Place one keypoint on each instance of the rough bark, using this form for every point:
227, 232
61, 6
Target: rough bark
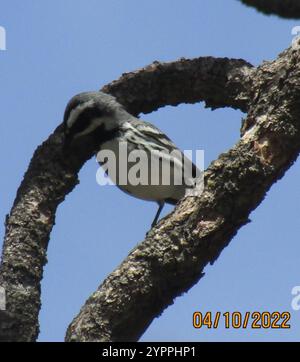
51, 176
284, 8
172, 257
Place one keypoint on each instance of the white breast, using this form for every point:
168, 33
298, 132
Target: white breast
142, 180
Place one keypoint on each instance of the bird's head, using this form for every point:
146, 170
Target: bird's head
92, 116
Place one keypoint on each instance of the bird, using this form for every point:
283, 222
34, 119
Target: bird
99, 118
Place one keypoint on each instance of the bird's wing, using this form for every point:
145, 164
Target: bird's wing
154, 135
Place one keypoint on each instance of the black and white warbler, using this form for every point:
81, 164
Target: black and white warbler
100, 116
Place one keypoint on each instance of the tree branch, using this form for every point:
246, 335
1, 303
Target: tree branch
173, 255
50, 177
220, 82
284, 8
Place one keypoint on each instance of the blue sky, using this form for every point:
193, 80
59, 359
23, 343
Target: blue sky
56, 49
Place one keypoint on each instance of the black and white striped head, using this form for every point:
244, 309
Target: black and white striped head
92, 113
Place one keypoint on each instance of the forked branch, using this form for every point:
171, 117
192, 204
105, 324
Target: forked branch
50, 177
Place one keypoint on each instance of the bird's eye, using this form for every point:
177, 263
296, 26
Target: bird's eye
80, 124
84, 120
